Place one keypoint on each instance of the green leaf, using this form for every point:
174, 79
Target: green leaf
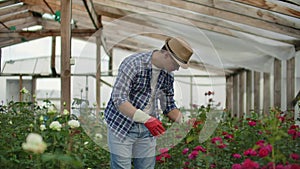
48, 157
190, 139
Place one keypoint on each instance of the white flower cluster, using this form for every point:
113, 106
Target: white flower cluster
73, 123
55, 125
34, 143
52, 110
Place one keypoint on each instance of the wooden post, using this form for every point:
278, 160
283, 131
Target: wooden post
98, 73
290, 77
20, 88
0, 60
248, 92
33, 88
277, 83
241, 93
110, 63
53, 55
235, 86
65, 28
229, 93
191, 93
266, 102
257, 92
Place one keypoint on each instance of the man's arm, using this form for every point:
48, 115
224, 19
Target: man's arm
127, 109
175, 115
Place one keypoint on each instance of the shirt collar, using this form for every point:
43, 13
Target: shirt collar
147, 60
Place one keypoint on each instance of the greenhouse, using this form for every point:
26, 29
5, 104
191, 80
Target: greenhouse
236, 105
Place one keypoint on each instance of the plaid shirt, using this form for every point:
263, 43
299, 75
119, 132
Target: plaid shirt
133, 84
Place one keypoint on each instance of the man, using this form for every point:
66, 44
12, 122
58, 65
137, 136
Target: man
143, 80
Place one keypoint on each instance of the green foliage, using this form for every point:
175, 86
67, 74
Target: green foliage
213, 140
68, 148
230, 142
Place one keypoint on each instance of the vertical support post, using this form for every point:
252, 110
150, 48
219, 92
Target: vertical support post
53, 54
65, 29
235, 109
248, 92
241, 94
277, 83
257, 92
267, 103
191, 93
98, 73
0, 61
229, 93
110, 63
33, 88
297, 86
20, 87
290, 75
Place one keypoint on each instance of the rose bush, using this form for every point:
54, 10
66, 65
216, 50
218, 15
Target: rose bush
38, 136
253, 142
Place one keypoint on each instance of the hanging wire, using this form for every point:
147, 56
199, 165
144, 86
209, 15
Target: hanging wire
49, 7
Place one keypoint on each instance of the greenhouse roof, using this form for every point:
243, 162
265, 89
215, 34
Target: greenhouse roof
225, 34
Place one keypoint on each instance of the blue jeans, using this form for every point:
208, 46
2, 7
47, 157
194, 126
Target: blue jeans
138, 146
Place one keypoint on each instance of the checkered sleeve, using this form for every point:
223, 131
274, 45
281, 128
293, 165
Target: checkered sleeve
126, 73
167, 101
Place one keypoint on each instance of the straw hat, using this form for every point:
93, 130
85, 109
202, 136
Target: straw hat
180, 49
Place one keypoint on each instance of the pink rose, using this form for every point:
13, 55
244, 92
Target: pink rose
252, 123
185, 151
236, 166
248, 164
295, 156
263, 152
193, 155
200, 148
236, 155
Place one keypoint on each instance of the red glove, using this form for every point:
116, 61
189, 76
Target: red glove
155, 126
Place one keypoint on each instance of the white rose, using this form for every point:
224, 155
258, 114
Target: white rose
52, 110
55, 125
34, 143
73, 123
66, 112
42, 127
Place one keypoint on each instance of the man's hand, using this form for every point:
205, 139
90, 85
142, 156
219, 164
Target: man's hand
153, 124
